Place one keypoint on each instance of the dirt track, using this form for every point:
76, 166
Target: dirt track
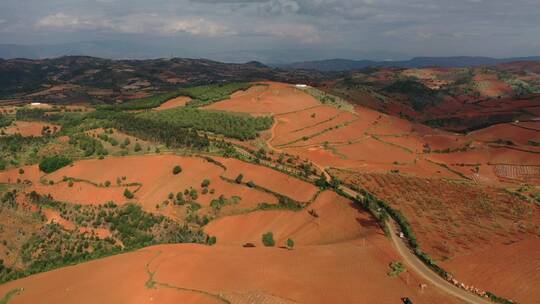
420, 268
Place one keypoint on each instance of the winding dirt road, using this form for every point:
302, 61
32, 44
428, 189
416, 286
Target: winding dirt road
427, 274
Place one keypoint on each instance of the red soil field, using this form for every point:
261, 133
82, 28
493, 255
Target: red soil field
11, 176
54, 217
270, 179
339, 221
516, 134
306, 118
374, 151
286, 134
350, 132
528, 174
351, 272
28, 129
455, 220
388, 125
489, 85
410, 142
516, 273
173, 103
155, 175
271, 98
83, 193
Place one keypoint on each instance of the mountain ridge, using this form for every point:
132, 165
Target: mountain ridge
338, 64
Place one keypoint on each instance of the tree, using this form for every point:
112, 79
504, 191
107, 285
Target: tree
177, 169
180, 198
205, 183
127, 141
396, 268
239, 178
321, 182
290, 244
268, 239
334, 182
193, 194
137, 147
128, 194
53, 163
212, 240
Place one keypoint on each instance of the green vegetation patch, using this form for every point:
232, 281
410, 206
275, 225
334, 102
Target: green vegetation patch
209, 94
201, 96
52, 246
396, 268
5, 121
329, 99
144, 103
53, 163
268, 239
420, 95
238, 126
12, 293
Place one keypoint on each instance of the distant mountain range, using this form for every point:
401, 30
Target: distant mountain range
336, 65
279, 58
153, 48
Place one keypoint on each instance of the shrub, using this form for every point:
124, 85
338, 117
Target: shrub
396, 269
128, 194
53, 163
205, 183
70, 184
21, 171
290, 244
193, 194
180, 198
137, 147
212, 240
250, 184
107, 183
239, 178
268, 239
176, 170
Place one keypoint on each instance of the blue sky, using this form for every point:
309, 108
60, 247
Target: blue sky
331, 28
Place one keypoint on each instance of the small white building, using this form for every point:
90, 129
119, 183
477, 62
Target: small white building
301, 86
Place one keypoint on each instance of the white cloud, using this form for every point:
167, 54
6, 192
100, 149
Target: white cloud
304, 33
197, 27
137, 24
59, 20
